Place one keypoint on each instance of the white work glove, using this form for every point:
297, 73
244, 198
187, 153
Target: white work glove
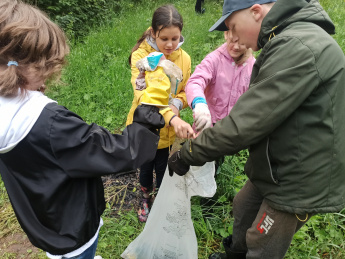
202, 117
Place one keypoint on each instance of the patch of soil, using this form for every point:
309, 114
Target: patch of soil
122, 191
17, 245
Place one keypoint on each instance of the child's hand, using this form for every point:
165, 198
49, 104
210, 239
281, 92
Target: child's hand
182, 128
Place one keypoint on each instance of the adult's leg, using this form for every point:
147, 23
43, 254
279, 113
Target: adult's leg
259, 231
272, 232
246, 205
198, 7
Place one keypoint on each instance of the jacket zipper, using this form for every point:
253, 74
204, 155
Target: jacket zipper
269, 162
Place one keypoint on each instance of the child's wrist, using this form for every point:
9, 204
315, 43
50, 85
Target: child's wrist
198, 100
172, 119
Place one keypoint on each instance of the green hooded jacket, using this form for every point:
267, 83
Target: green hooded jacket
292, 119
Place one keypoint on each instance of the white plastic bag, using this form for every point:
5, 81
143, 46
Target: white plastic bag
169, 231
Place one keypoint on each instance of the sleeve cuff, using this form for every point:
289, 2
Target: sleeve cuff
198, 100
177, 103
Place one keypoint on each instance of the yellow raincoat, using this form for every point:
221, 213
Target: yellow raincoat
183, 61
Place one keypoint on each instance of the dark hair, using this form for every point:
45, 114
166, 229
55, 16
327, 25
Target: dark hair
164, 16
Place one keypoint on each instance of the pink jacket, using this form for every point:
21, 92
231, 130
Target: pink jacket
220, 81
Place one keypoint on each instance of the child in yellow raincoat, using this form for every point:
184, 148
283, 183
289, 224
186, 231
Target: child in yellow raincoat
154, 86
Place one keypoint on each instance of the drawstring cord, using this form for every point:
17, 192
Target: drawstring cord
272, 33
304, 220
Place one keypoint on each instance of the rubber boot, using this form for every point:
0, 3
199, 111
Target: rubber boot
228, 253
145, 205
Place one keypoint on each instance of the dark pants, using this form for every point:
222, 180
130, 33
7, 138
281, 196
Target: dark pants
159, 164
260, 230
198, 5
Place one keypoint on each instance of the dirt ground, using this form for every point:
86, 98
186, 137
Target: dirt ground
122, 191
17, 245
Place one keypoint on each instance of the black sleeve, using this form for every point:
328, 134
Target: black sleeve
84, 150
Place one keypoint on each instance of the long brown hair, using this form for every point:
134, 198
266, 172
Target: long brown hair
30, 38
164, 16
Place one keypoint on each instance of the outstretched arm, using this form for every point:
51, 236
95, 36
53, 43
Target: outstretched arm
84, 150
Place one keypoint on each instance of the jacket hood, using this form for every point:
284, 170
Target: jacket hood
223, 50
153, 43
286, 12
18, 115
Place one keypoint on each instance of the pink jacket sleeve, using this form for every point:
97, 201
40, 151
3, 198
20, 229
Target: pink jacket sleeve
204, 74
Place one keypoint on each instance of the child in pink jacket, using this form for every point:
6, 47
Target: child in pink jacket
218, 81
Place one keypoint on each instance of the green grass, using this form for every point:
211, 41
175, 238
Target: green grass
97, 80
97, 87
8, 222
336, 11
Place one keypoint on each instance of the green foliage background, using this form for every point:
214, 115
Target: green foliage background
76, 17
96, 85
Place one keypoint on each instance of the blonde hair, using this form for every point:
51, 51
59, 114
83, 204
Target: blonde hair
30, 38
